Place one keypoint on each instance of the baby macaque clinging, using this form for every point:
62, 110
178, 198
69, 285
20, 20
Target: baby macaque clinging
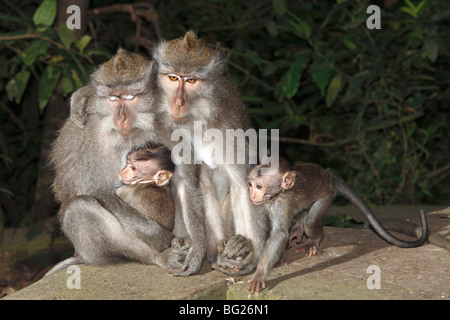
307, 190
146, 176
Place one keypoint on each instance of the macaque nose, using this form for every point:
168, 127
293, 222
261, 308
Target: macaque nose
122, 121
179, 105
179, 101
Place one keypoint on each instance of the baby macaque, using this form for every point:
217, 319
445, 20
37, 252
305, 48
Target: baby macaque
146, 176
306, 190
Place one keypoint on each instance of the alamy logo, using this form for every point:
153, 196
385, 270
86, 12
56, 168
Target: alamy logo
74, 21
74, 281
374, 21
236, 147
374, 281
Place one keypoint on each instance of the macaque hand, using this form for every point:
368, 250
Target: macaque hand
172, 259
257, 282
187, 260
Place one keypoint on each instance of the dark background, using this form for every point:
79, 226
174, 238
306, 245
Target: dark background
373, 105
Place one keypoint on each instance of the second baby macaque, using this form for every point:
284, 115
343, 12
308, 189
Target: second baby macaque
146, 176
307, 190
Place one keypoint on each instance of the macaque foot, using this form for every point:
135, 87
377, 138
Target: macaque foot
297, 232
310, 248
189, 258
283, 260
234, 256
175, 256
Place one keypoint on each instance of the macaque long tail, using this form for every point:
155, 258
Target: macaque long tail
351, 195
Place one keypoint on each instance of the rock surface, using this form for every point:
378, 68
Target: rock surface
338, 272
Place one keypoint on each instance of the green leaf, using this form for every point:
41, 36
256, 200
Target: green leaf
333, 90
272, 28
5, 18
431, 48
426, 191
412, 9
8, 193
291, 80
83, 42
76, 79
279, 7
67, 36
47, 85
67, 83
350, 44
301, 28
432, 130
408, 11
420, 5
357, 80
252, 55
16, 86
321, 73
35, 49
417, 102
45, 14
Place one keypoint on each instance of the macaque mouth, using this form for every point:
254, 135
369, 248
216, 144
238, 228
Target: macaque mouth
177, 117
126, 132
257, 203
133, 182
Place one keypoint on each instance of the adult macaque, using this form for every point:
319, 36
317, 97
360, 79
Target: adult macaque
146, 176
307, 189
87, 158
193, 85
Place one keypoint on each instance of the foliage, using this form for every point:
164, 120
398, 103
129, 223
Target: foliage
35, 57
371, 104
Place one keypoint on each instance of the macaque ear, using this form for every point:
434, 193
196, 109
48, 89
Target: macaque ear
78, 105
288, 180
162, 177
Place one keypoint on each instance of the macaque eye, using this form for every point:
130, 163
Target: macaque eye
113, 98
128, 97
133, 168
173, 77
191, 80
249, 184
259, 186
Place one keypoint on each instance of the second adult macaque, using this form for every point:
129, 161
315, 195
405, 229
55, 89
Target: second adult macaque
307, 190
146, 176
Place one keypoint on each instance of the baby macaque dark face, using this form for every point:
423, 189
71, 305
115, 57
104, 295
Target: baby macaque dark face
257, 191
265, 187
143, 167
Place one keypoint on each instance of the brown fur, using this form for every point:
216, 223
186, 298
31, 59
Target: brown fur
150, 199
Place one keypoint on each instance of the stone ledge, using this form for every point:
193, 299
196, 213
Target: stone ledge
338, 272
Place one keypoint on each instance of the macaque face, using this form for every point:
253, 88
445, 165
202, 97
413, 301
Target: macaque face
123, 96
123, 105
179, 89
144, 171
264, 188
257, 190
